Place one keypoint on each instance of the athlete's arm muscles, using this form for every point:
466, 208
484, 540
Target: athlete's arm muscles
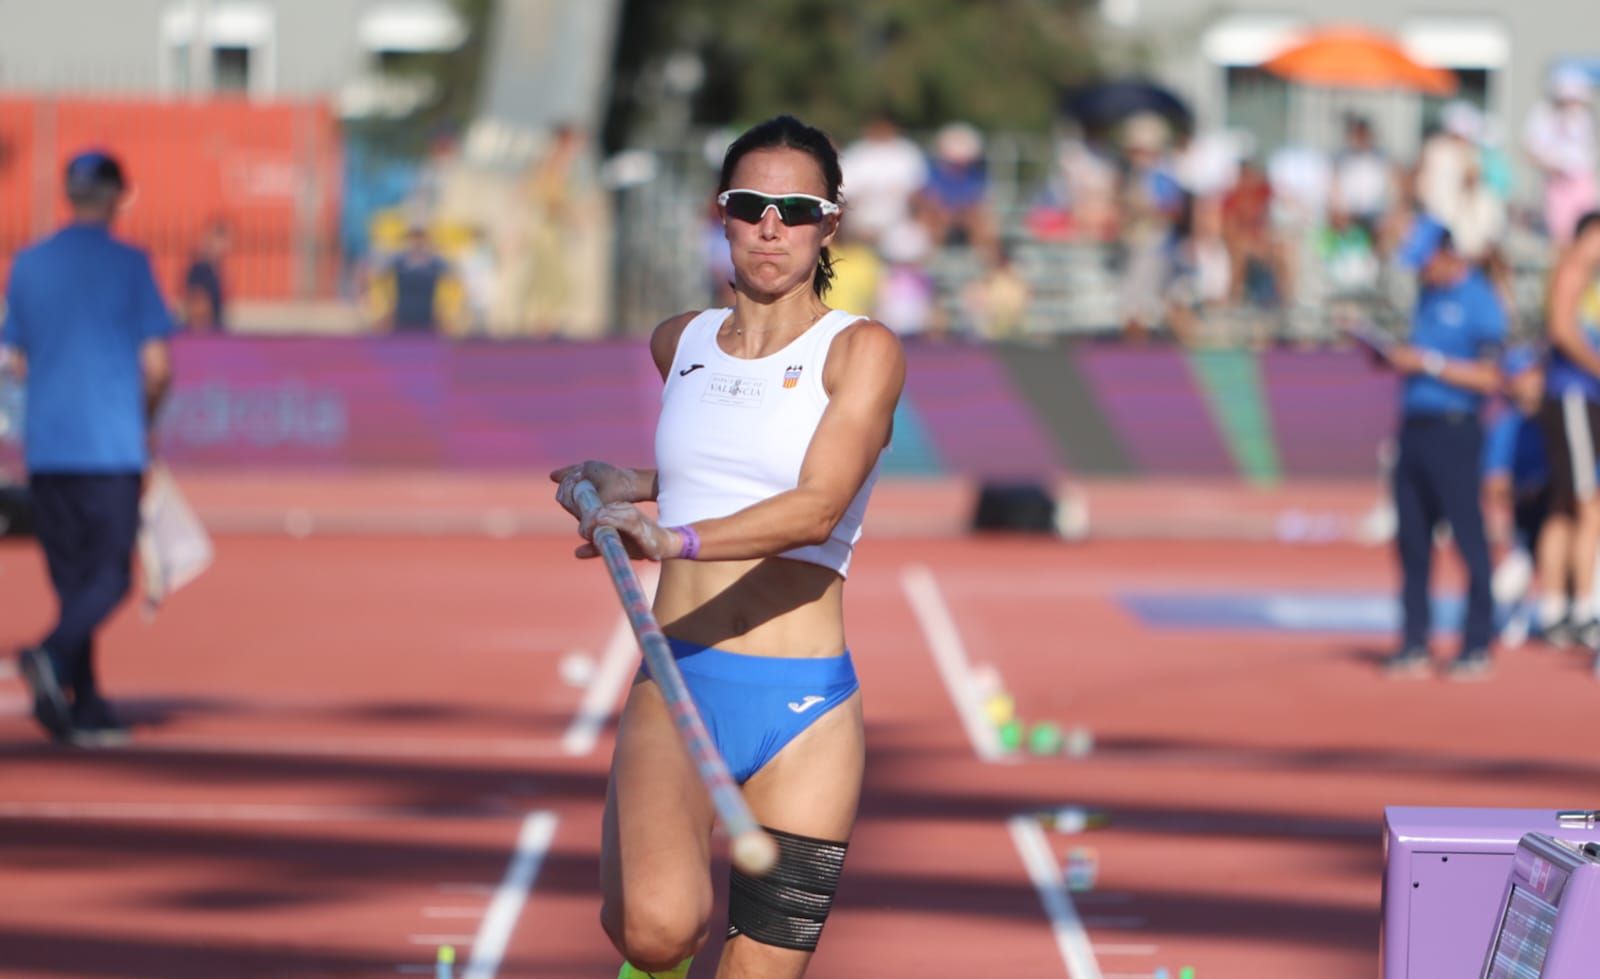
864, 374
1566, 335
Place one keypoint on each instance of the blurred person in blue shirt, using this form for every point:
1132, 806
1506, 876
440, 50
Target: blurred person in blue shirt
1516, 468
1516, 486
956, 195
418, 273
204, 296
1448, 368
87, 322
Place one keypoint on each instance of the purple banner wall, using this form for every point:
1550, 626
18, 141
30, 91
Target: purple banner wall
974, 416
408, 402
1330, 409
423, 403
1151, 402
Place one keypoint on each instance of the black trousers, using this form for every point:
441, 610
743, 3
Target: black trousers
1437, 477
87, 525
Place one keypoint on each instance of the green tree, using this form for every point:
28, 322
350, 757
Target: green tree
997, 63
456, 75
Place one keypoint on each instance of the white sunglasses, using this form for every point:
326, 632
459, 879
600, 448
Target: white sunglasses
793, 209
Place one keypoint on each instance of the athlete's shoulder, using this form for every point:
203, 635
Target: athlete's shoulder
664, 338
867, 352
867, 337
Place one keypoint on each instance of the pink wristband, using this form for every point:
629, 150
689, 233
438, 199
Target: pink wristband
691, 542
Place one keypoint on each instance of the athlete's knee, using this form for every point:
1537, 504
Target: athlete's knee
788, 907
654, 934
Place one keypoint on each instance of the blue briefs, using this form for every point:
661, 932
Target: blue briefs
754, 705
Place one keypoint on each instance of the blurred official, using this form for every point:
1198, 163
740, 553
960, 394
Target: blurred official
87, 321
1448, 368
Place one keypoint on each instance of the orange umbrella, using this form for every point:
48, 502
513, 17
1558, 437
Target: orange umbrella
1353, 57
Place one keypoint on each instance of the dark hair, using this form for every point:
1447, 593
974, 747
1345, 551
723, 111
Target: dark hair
1589, 220
94, 177
787, 132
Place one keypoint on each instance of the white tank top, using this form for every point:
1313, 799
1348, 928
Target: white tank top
733, 431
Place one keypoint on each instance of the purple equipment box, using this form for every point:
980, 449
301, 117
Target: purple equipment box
1547, 925
1445, 877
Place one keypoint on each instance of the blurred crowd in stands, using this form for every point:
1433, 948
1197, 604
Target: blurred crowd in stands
1144, 228
1182, 233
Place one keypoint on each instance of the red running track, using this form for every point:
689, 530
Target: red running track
341, 739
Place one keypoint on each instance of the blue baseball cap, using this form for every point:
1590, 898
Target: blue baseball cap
94, 170
1427, 237
1519, 359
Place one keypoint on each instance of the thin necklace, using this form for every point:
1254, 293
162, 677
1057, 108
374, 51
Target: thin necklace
739, 330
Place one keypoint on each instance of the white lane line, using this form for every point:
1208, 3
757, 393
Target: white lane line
1064, 922
950, 655
616, 669
489, 946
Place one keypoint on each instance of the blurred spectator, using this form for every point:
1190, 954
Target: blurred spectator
1348, 254
1204, 267
1448, 368
417, 273
1302, 183
1447, 156
906, 290
1080, 198
204, 298
1479, 222
957, 189
1560, 136
883, 170
1363, 177
1207, 168
1207, 164
1152, 205
997, 303
1258, 264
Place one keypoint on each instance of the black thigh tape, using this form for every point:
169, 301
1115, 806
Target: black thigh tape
788, 907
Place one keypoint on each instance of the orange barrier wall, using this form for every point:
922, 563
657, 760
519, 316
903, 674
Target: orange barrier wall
270, 170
